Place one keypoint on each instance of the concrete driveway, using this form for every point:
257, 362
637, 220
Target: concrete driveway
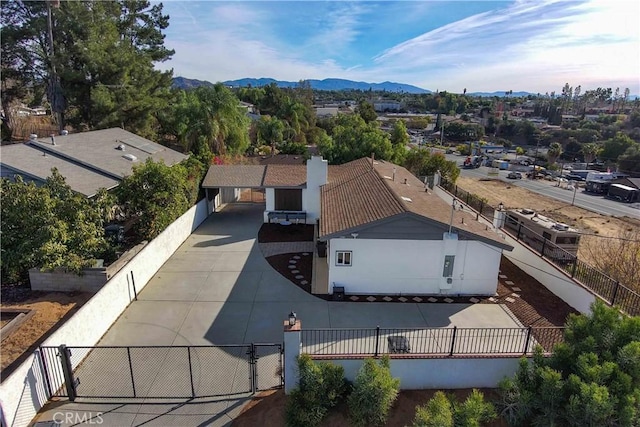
218, 289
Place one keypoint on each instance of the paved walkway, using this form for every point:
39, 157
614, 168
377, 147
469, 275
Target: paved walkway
277, 248
218, 289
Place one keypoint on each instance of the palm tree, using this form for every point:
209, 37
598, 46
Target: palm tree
590, 151
555, 150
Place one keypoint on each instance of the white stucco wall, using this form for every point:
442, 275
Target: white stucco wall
385, 266
270, 203
550, 276
317, 175
447, 373
22, 393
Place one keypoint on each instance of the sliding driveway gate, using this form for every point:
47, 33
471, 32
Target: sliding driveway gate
161, 372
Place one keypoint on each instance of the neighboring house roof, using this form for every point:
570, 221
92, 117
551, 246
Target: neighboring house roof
282, 159
33, 163
365, 193
285, 176
99, 150
237, 176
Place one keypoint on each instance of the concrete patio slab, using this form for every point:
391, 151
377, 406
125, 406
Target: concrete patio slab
148, 323
370, 315
175, 286
233, 286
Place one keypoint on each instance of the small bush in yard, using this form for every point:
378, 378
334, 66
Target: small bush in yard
321, 387
374, 392
436, 413
473, 412
443, 411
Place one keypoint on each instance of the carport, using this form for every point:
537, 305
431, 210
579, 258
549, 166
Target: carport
232, 184
281, 188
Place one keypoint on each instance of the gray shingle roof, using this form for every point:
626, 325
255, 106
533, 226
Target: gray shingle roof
99, 150
30, 162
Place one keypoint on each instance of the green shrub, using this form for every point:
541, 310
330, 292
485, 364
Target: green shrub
321, 387
374, 392
436, 413
473, 412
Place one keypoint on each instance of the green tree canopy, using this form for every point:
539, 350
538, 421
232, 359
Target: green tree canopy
421, 162
353, 138
49, 226
366, 111
155, 195
399, 135
629, 161
592, 379
207, 119
615, 147
104, 54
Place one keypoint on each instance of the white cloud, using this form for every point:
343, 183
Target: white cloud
526, 45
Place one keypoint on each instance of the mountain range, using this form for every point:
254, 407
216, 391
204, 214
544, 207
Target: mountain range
329, 84
326, 84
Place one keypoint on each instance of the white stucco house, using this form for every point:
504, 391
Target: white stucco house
384, 232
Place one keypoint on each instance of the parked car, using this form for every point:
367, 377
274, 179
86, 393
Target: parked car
514, 175
572, 177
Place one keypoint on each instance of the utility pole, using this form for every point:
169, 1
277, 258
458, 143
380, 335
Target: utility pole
54, 91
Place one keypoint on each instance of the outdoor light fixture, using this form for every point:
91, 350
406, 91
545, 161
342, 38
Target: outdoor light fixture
292, 318
501, 207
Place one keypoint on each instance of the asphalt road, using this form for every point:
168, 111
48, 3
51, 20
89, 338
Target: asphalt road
594, 203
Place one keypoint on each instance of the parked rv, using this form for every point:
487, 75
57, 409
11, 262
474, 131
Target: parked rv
537, 229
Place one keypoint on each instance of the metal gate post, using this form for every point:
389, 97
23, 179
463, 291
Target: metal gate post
133, 381
67, 370
526, 343
193, 390
252, 367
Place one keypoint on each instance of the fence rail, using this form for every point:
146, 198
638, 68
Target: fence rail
610, 290
443, 342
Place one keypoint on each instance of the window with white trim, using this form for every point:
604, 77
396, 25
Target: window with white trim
343, 258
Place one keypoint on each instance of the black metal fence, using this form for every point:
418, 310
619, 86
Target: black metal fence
161, 371
479, 204
610, 290
430, 342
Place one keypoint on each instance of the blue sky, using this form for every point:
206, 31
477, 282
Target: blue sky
532, 45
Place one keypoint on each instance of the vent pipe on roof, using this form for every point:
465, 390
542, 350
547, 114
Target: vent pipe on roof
405, 181
373, 157
53, 139
393, 177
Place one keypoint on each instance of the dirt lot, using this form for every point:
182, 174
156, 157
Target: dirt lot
267, 409
51, 309
512, 196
